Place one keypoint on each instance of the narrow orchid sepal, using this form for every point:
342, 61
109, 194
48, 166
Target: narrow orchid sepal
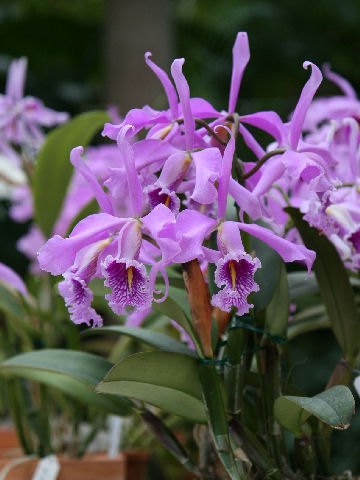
241, 57
127, 154
288, 251
306, 97
166, 83
101, 197
225, 174
184, 94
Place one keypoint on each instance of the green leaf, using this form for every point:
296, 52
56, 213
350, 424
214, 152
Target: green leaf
154, 339
334, 406
53, 169
265, 276
171, 309
216, 415
72, 372
277, 312
166, 380
10, 302
300, 284
334, 284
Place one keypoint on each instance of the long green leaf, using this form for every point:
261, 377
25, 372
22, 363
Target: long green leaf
72, 372
334, 407
172, 309
277, 312
154, 339
166, 380
265, 276
53, 169
335, 288
216, 415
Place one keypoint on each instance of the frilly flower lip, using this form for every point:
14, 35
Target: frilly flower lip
129, 283
236, 274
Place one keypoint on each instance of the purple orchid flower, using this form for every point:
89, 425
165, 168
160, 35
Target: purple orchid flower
235, 268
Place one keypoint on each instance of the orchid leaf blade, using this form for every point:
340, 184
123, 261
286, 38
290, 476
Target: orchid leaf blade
154, 339
334, 407
53, 169
334, 284
166, 380
72, 372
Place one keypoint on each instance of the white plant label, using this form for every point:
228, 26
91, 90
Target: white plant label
47, 469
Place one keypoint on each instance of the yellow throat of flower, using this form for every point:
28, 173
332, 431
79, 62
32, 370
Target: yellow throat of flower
233, 273
130, 276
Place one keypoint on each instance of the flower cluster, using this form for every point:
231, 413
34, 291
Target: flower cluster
319, 171
166, 194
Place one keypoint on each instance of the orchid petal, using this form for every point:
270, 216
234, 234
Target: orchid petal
127, 154
268, 121
306, 97
288, 251
16, 79
342, 83
251, 142
184, 94
241, 57
245, 199
10, 277
271, 172
58, 254
225, 174
207, 164
166, 83
101, 197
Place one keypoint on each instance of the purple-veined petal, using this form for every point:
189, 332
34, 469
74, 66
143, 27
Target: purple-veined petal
241, 57
78, 298
288, 251
166, 83
9, 277
236, 272
307, 94
129, 283
225, 174
341, 82
101, 197
127, 154
158, 195
184, 94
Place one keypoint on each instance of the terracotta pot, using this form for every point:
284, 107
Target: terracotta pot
129, 465
9, 443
